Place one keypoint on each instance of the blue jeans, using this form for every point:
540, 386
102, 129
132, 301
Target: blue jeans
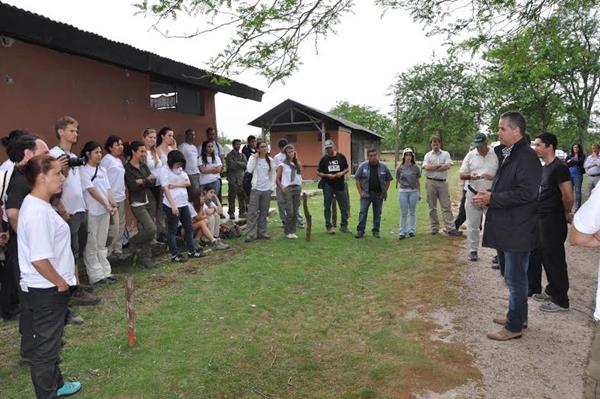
408, 204
173, 223
342, 200
377, 200
515, 276
577, 180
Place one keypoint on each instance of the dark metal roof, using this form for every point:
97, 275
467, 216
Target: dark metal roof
37, 29
279, 113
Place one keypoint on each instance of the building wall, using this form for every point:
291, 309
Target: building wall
309, 147
39, 85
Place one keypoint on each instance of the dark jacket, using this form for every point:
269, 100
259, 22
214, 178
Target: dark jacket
511, 221
571, 161
138, 192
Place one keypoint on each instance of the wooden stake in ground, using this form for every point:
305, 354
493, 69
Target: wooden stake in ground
131, 336
307, 216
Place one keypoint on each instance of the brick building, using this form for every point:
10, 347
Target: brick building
49, 69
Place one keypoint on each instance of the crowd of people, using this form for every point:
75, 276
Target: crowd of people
174, 193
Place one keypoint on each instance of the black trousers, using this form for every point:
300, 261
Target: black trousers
43, 314
551, 255
9, 281
462, 214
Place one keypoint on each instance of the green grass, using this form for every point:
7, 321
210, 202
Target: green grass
279, 318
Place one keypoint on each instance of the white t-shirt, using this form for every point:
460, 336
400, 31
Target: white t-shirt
101, 184
190, 152
43, 234
72, 194
286, 176
155, 167
278, 159
116, 176
263, 178
477, 164
179, 194
587, 221
6, 165
206, 178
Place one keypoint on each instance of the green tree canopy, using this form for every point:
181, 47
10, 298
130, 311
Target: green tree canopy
368, 117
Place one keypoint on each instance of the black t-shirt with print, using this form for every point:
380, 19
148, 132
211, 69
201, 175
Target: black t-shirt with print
332, 165
374, 183
550, 197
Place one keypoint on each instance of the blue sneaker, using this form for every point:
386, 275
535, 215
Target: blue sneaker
69, 388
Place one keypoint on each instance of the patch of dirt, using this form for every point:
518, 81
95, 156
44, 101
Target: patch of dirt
549, 361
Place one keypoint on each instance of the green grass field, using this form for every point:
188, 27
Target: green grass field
335, 317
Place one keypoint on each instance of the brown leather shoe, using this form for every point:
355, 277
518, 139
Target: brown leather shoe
504, 335
502, 321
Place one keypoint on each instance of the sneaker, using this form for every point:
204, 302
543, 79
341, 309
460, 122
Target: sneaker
433, 233
242, 216
81, 297
473, 256
264, 237
495, 267
455, 233
344, 230
249, 239
231, 217
196, 254
411, 235
376, 234
219, 245
502, 321
401, 237
178, 258
331, 230
543, 297
359, 234
68, 389
292, 236
74, 319
222, 216
111, 279
504, 335
551, 307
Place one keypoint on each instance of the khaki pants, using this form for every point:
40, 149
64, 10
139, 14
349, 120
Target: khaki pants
474, 216
591, 378
116, 230
438, 190
95, 252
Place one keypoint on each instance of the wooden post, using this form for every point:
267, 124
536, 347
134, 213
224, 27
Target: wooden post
307, 216
131, 335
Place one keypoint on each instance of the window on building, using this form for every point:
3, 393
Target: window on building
169, 96
291, 138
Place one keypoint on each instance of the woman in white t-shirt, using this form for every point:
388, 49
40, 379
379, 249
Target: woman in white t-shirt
113, 165
261, 166
101, 206
174, 182
165, 143
47, 276
289, 180
155, 165
210, 167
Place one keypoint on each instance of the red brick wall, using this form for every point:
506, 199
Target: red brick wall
45, 84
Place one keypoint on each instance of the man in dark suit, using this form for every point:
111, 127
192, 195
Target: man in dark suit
511, 221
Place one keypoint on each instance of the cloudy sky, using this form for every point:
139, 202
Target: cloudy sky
358, 64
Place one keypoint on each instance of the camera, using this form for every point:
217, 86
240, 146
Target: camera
74, 161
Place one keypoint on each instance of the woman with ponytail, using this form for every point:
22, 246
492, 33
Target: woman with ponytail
263, 180
113, 164
140, 182
289, 180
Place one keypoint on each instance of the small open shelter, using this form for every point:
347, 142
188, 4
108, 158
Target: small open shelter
307, 128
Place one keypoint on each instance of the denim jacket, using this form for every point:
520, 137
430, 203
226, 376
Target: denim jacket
362, 176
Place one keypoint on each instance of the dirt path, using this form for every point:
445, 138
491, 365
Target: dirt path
548, 362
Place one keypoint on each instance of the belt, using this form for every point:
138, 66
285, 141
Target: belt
433, 178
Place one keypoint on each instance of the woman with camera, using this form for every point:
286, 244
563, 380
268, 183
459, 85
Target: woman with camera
101, 206
47, 270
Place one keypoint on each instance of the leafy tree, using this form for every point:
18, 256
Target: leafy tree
443, 98
368, 117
